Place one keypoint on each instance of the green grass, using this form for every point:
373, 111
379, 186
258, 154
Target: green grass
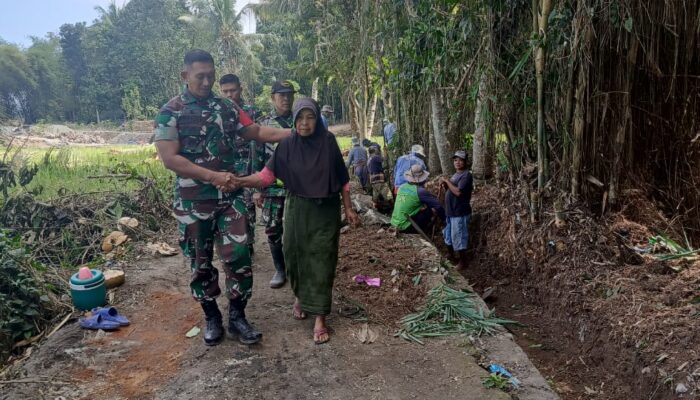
345, 144
73, 170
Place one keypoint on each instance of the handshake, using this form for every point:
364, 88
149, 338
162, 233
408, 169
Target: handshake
226, 181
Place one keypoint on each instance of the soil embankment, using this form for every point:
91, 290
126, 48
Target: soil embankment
602, 320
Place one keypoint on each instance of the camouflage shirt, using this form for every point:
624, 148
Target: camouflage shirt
273, 120
249, 150
207, 130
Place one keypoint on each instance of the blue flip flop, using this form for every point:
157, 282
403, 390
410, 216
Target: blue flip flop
97, 322
110, 314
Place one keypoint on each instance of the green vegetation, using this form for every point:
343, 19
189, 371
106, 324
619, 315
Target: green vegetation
27, 295
56, 206
448, 312
81, 170
496, 381
345, 141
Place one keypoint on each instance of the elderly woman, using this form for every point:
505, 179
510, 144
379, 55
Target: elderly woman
310, 164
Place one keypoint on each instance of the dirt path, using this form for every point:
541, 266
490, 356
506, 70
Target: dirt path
152, 358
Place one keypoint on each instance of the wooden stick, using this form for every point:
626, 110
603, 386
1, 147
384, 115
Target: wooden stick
18, 381
60, 325
109, 176
419, 230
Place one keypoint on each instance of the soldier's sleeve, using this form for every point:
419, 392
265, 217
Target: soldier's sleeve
232, 119
165, 125
243, 117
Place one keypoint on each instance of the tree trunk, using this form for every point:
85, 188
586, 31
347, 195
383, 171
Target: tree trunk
354, 115
481, 167
437, 117
433, 156
314, 89
371, 116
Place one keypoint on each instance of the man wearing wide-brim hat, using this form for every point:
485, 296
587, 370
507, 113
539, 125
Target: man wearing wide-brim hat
413, 201
326, 115
404, 163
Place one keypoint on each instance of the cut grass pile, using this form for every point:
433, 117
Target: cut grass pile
449, 312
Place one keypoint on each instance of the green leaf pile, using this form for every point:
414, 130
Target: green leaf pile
449, 312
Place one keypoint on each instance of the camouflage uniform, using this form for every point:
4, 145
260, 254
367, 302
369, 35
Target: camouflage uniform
274, 195
207, 217
248, 150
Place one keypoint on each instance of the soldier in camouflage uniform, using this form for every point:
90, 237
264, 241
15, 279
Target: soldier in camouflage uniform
274, 195
247, 149
195, 136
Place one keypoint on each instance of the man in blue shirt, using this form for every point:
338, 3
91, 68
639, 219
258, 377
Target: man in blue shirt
381, 190
405, 162
389, 131
458, 208
326, 115
357, 159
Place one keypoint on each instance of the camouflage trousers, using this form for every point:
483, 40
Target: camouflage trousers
204, 225
250, 215
272, 215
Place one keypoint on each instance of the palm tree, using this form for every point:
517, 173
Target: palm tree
110, 14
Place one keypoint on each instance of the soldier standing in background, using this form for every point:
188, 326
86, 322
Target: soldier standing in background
194, 136
272, 197
248, 149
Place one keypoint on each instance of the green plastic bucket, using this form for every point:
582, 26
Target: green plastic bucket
89, 293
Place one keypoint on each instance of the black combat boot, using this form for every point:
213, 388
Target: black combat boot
280, 276
238, 326
215, 327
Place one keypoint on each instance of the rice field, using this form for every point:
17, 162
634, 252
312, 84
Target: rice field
92, 169
81, 169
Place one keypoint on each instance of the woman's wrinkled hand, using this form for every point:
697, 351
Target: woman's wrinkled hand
231, 184
352, 217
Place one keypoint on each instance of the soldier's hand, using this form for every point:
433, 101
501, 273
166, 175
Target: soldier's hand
258, 199
222, 180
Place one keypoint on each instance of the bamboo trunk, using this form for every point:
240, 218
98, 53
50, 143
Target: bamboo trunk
625, 123
579, 114
542, 19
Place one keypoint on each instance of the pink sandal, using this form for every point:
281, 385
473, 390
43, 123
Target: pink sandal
297, 312
318, 333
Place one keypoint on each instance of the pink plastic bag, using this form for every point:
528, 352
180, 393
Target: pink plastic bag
376, 282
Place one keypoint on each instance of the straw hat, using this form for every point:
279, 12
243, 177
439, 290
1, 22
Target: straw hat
416, 174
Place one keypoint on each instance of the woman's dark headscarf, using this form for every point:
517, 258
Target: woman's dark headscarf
310, 166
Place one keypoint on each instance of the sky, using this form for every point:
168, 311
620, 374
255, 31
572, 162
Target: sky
20, 19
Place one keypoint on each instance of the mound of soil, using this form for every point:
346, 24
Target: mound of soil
371, 251
602, 319
131, 138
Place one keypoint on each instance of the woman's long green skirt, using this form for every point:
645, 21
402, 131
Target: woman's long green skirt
310, 240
